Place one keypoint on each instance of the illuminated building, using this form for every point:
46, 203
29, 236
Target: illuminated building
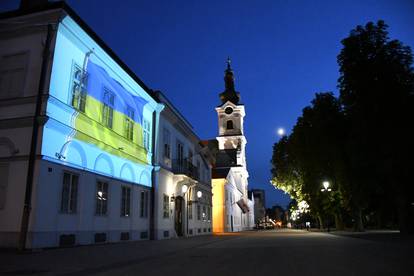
76, 135
182, 179
259, 204
232, 209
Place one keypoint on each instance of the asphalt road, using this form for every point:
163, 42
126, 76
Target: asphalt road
280, 252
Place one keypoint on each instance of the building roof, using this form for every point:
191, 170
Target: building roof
229, 94
66, 8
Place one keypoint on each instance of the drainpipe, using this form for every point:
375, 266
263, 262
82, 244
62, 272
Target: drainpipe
33, 145
154, 160
153, 177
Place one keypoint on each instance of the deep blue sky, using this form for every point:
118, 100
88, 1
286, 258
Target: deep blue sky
282, 52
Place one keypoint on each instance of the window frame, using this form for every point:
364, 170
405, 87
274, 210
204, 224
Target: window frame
66, 201
146, 132
190, 210
166, 206
198, 212
144, 202
167, 143
204, 213
101, 202
229, 124
129, 123
180, 154
125, 201
80, 95
108, 106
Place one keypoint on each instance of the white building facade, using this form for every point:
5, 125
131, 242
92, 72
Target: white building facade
76, 135
183, 198
231, 204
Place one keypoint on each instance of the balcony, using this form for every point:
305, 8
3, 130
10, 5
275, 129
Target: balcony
186, 167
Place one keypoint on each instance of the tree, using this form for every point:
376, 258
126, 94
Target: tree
363, 143
376, 90
312, 154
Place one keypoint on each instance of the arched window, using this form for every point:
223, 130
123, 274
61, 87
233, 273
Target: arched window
229, 124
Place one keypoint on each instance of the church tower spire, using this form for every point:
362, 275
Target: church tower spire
229, 94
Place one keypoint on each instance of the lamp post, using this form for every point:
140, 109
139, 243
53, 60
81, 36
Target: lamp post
184, 190
326, 188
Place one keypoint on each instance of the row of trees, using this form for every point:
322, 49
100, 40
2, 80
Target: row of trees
361, 142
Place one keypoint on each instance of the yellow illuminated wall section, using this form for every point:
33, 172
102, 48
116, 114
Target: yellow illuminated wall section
218, 205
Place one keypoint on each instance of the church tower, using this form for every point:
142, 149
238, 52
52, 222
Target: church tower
232, 208
230, 119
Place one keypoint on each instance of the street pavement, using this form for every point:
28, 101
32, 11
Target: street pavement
275, 252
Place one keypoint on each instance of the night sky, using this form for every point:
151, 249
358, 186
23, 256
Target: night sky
282, 52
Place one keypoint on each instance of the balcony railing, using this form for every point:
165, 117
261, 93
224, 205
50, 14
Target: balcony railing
186, 167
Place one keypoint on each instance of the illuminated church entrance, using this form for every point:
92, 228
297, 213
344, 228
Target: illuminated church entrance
179, 202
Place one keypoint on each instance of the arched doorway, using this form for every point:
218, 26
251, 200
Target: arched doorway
179, 208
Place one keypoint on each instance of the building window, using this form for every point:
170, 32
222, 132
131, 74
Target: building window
204, 213
167, 143
209, 213
12, 75
129, 124
101, 198
199, 171
126, 202
69, 193
190, 210
108, 108
180, 155
147, 134
198, 212
144, 204
79, 79
229, 124
4, 176
190, 156
166, 206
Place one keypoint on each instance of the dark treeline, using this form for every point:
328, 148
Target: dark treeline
361, 142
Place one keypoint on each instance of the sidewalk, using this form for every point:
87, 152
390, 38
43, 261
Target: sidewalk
96, 258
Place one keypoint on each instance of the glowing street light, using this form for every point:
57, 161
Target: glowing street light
326, 185
184, 189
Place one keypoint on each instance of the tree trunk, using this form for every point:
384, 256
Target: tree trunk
405, 215
339, 224
358, 225
320, 222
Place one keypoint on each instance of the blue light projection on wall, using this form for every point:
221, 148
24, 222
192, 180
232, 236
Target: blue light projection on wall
99, 118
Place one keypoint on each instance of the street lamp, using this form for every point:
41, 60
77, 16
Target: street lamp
326, 185
184, 189
326, 188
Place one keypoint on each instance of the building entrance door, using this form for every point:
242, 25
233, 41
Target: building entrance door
232, 223
179, 202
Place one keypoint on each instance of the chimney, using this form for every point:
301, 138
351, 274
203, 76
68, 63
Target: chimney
31, 4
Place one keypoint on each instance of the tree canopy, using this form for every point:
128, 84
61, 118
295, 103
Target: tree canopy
360, 142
